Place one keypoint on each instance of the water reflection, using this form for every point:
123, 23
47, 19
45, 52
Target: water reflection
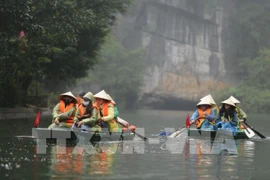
203, 164
80, 162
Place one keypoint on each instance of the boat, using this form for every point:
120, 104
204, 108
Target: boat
198, 133
77, 134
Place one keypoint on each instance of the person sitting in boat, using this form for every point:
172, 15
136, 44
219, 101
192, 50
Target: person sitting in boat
215, 108
87, 114
204, 116
80, 98
106, 111
64, 111
116, 112
227, 118
242, 116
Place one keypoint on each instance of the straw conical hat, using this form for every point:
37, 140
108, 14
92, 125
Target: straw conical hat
234, 100
209, 98
228, 101
68, 94
89, 96
102, 95
111, 99
203, 102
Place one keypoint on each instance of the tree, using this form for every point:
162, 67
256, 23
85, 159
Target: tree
119, 71
61, 42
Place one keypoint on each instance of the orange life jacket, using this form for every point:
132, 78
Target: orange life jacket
64, 108
201, 118
105, 110
113, 125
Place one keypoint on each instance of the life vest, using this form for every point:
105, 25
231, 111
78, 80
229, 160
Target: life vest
113, 126
64, 109
82, 109
201, 118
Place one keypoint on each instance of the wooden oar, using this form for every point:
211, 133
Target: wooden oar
259, 134
36, 122
182, 128
248, 131
139, 135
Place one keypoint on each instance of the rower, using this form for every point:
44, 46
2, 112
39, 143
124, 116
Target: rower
116, 112
227, 118
204, 116
64, 111
106, 111
87, 114
242, 116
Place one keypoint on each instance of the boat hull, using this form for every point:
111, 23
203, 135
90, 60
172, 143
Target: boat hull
197, 133
77, 134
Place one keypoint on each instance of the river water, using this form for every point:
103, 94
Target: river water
19, 158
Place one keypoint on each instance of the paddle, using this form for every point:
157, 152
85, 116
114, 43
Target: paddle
36, 122
248, 131
259, 134
139, 135
179, 129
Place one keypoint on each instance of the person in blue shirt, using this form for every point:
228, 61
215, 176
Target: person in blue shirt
204, 116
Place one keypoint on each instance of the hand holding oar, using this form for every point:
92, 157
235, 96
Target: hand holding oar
259, 134
139, 135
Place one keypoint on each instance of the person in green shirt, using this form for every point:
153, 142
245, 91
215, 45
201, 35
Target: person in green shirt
87, 114
242, 116
64, 112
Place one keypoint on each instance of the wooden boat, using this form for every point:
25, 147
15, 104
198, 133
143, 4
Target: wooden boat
197, 133
78, 134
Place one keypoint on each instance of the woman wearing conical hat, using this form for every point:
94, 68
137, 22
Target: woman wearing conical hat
106, 111
204, 116
227, 118
64, 111
87, 114
212, 102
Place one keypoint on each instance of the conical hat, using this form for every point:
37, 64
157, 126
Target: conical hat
111, 99
203, 102
68, 94
102, 95
228, 101
234, 100
209, 98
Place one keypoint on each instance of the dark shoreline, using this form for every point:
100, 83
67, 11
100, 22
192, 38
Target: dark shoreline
17, 113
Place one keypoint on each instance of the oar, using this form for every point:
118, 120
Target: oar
36, 122
259, 134
139, 135
180, 129
248, 131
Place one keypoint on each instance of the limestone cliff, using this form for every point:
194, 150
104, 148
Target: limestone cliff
185, 41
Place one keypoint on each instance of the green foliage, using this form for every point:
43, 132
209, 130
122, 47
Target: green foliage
251, 29
119, 72
254, 91
61, 42
52, 100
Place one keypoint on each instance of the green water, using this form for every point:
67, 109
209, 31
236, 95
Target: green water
19, 160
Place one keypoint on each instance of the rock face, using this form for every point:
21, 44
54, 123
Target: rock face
185, 41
